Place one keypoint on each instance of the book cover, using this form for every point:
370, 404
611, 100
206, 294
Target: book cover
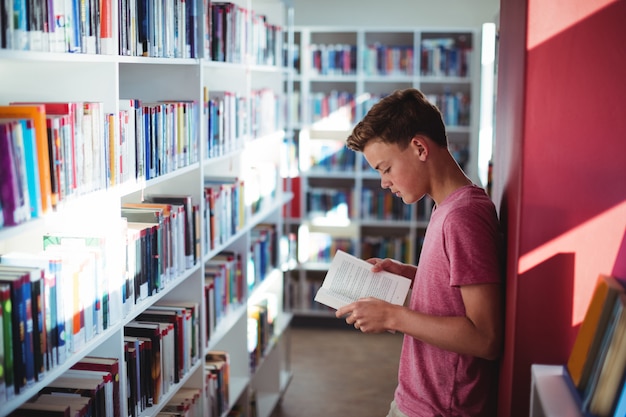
588, 339
350, 278
612, 368
31, 168
39, 155
14, 208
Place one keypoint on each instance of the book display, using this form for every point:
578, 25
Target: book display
341, 73
593, 381
142, 241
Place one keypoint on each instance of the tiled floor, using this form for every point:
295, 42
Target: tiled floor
340, 373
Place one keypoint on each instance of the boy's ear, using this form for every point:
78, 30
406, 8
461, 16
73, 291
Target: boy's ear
420, 146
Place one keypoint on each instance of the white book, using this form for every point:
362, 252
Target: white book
350, 278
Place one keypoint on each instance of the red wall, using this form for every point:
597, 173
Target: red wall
559, 173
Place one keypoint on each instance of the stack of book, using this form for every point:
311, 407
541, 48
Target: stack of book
597, 362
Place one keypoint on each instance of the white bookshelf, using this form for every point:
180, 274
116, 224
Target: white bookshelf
50, 76
364, 83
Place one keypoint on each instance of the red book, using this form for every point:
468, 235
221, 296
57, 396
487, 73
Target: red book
111, 365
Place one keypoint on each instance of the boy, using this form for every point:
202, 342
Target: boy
453, 323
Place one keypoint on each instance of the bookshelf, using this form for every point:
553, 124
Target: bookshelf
552, 393
246, 320
341, 72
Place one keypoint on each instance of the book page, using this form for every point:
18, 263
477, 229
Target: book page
350, 278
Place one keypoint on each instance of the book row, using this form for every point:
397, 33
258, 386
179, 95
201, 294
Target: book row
233, 118
220, 31
340, 109
337, 108
241, 35
597, 361
388, 60
226, 284
330, 203
69, 294
445, 57
454, 107
332, 157
91, 387
380, 204
442, 57
53, 152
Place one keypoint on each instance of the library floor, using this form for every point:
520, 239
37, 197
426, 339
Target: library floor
340, 373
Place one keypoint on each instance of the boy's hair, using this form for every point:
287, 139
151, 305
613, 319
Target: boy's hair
397, 118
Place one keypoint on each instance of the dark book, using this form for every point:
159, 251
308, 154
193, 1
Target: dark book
12, 197
191, 256
7, 339
151, 331
176, 318
110, 365
131, 351
23, 345
92, 387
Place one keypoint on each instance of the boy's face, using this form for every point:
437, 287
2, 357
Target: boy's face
401, 171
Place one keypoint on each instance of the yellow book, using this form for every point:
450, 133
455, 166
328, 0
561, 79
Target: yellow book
589, 336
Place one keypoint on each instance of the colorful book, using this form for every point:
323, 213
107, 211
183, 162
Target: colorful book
191, 257
589, 337
14, 204
611, 368
23, 356
38, 155
7, 363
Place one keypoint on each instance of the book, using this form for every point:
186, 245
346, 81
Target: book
22, 324
612, 367
110, 365
14, 200
587, 343
39, 154
154, 333
350, 278
191, 257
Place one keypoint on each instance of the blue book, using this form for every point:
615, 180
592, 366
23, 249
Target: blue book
23, 358
31, 159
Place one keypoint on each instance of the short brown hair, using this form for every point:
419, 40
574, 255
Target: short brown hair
397, 118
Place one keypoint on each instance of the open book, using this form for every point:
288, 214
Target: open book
350, 278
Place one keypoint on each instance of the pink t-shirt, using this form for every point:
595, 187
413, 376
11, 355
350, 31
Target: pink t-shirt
462, 246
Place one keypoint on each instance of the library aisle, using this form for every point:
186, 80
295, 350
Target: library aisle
339, 373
